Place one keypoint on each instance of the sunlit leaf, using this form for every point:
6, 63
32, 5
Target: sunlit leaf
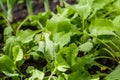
17, 53
114, 75
86, 47
101, 27
83, 11
35, 74
59, 24
116, 23
26, 36
6, 64
62, 38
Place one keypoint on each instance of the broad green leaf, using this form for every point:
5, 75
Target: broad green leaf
7, 32
83, 11
101, 27
114, 75
61, 63
117, 6
41, 46
99, 4
86, 47
79, 75
17, 53
10, 43
71, 53
58, 24
61, 38
35, 74
67, 56
68, 10
116, 23
35, 55
84, 2
6, 64
26, 35
49, 47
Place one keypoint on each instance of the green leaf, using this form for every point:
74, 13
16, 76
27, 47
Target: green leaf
49, 47
116, 23
84, 2
26, 36
61, 64
6, 64
71, 54
61, 38
100, 4
10, 43
83, 11
117, 6
101, 27
58, 24
7, 32
79, 76
114, 75
67, 56
86, 47
41, 46
17, 53
35, 74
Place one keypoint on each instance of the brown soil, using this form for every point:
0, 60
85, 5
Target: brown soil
20, 10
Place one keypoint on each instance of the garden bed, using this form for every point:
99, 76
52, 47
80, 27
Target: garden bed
75, 41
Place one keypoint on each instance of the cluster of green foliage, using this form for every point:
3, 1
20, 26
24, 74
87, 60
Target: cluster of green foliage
70, 42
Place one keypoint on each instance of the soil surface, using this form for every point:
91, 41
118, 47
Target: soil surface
20, 10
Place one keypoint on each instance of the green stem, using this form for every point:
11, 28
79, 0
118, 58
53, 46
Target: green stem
46, 5
40, 24
8, 23
21, 24
112, 51
52, 74
83, 25
29, 7
2, 6
61, 2
115, 45
10, 6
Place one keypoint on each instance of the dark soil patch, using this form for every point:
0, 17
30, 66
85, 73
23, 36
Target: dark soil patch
38, 64
1, 39
20, 10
